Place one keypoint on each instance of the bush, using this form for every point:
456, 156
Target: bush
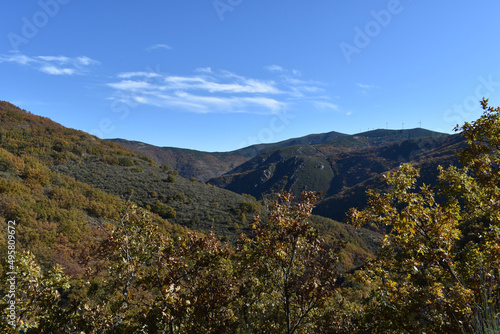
249, 207
181, 197
125, 161
164, 210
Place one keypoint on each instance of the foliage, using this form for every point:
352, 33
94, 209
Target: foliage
140, 279
37, 298
89, 269
189, 199
164, 210
440, 242
170, 178
289, 270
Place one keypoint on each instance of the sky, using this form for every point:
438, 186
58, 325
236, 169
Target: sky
218, 75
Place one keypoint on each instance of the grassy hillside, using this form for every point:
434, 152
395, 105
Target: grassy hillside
110, 167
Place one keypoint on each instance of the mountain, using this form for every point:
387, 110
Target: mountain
63, 185
328, 166
66, 189
207, 165
342, 168
366, 172
340, 165
190, 163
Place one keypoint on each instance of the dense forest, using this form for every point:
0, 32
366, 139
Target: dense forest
98, 239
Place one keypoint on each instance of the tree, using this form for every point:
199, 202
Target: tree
440, 254
147, 281
32, 300
288, 271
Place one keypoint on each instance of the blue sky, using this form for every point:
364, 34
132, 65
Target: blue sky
220, 75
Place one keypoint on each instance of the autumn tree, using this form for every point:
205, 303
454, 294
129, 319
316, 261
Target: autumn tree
289, 272
149, 281
32, 299
440, 254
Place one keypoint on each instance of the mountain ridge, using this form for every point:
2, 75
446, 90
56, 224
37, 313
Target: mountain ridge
205, 165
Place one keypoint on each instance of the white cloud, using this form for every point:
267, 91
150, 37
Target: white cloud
130, 85
220, 91
159, 46
58, 59
364, 86
127, 75
326, 106
57, 71
85, 61
275, 68
16, 58
207, 70
53, 65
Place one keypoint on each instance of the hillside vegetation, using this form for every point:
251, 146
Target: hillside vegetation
99, 239
58, 216
67, 190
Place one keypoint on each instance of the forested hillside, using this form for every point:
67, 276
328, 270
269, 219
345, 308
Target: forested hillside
98, 239
70, 195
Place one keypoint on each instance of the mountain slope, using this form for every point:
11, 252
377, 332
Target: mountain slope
423, 153
190, 163
66, 189
330, 166
56, 216
207, 165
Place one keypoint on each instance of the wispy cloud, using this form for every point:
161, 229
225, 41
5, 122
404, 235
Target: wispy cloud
326, 106
53, 65
49, 69
275, 68
158, 46
366, 88
128, 75
221, 91
207, 70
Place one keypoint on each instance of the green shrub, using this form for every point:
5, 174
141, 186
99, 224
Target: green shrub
125, 161
249, 207
181, 197
164, 210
